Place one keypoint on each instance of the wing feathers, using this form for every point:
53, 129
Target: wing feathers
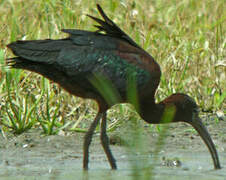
110, 28
39, 50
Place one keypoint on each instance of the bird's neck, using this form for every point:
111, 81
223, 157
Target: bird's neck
152, 112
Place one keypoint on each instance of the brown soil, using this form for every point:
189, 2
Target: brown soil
183, 156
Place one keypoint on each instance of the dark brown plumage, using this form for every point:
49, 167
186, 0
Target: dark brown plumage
87, 63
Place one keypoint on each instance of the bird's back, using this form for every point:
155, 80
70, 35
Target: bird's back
84, 58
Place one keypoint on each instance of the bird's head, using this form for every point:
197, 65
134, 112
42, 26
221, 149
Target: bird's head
186, 110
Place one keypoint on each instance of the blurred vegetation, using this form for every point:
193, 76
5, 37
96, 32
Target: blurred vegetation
186, 37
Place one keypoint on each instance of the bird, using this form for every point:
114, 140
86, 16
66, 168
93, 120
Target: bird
104, 65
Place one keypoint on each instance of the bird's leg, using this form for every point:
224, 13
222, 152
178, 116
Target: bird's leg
105, 142
88, 139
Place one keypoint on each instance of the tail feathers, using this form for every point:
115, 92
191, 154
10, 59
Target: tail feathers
10, 62
18, 63
47, 70
21, 63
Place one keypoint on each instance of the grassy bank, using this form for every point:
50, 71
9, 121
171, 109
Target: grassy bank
187, 39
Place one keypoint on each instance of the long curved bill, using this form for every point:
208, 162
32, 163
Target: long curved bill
198, 125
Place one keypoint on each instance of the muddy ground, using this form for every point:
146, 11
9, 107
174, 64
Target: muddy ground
183, 156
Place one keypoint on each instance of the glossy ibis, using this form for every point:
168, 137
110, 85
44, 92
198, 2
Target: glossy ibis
79, 64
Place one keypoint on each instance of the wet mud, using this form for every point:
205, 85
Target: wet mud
32, 155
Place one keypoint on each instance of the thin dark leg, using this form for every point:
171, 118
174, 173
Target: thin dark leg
88, 139
105, 142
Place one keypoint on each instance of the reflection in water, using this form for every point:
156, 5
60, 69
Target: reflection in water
71, 169
85, 175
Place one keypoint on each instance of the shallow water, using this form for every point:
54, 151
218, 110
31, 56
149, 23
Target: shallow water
31, 166
31, 156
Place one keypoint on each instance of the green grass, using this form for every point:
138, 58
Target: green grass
186, 37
